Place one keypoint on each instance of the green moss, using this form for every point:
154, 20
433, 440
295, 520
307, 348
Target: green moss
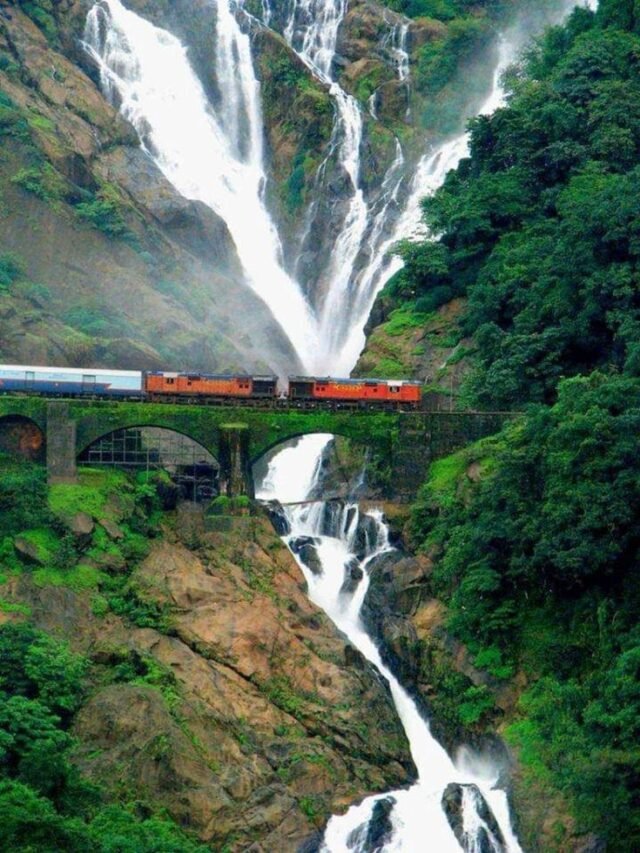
404, 319
44, 182
78, 578
14, 607
91, 494
45, 542
444, 475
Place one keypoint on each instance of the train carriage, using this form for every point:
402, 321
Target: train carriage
70, 381
390, 392
208, 386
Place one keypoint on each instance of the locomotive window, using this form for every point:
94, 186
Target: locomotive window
394, 389
170, 381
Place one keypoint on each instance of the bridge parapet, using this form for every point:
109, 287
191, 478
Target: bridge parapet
238, 436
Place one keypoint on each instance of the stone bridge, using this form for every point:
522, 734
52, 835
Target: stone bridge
238, 436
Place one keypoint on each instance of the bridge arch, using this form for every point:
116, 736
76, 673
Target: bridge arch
281, 441
193, 469
22, 436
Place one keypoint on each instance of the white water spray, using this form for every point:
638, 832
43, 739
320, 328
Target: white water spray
312, 31
339, 531
214, 158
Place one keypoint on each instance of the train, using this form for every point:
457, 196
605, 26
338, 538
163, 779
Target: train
208, 388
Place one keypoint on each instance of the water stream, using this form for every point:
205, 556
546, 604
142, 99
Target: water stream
340, 532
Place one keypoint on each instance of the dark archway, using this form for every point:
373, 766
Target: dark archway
193, 469
22, 437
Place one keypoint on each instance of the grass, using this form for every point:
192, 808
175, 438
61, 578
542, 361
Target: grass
45, 542
14, 607
403, 319
445, 474
78, 578
90, 495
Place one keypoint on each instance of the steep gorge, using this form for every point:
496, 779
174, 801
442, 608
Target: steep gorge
347, 208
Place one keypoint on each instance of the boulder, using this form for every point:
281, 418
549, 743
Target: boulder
377, 832
278, 518
353, 574
489, 838
109, 561
81, 525
309, 555
28, 551
111, 528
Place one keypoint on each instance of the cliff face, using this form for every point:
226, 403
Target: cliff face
128, 272
216, 690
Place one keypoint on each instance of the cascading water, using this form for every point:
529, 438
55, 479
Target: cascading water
418, 818
214, 158
312, 31
343, 539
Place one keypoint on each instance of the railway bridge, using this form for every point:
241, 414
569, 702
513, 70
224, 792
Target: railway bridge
237, 436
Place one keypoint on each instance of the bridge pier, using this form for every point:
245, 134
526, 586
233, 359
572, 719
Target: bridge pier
236, 477
61, 444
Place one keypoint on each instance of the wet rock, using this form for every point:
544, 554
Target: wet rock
402, 648
353, 657
309, 556
353, 574
333, 517
374, 835
452, 807
366, 537
312, 844
278, 518
380, 830
81, 526
489, 838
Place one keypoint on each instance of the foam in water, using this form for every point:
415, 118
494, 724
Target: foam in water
215, 158
417, 812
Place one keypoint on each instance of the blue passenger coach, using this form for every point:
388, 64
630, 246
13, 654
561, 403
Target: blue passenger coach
69, 381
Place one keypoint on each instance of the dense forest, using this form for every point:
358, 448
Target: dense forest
537, 557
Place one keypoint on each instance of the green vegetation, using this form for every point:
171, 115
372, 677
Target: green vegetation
538, 225
43, 181
42, 13
537, 563
45, 804
536, 550
11, 270
106, 212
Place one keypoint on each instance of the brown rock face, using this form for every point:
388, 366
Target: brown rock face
252, 720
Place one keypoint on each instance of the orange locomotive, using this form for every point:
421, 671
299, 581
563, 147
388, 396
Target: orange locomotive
363, 391
207, 386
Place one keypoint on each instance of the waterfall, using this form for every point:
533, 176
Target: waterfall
344, 537
312, 31
215, 158
396, 43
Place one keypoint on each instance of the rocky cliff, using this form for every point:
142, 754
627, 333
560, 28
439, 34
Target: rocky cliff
111, 265
216, 690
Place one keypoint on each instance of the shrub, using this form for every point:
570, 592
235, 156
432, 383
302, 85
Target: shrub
43, 181
105, 213
11, 269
